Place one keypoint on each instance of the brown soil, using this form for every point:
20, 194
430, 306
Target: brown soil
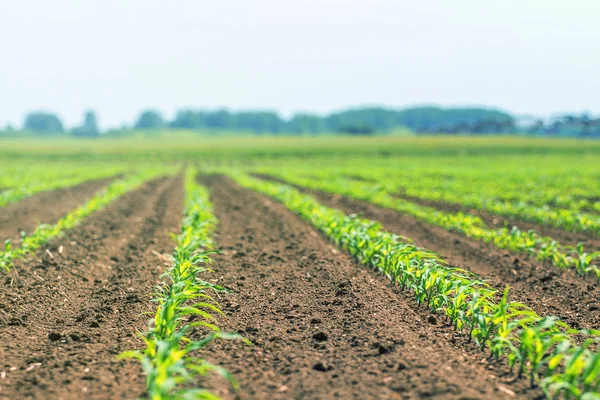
590, 240
545, 288
44, 207
64, 317
325, 327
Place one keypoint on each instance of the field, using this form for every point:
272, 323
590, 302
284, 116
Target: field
181, 267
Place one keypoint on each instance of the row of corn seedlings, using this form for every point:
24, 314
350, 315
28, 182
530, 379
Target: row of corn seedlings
45, 232
542, 248
566, 191
185, 303
25, 172
55, 179
558, 210
545, 349
561, 186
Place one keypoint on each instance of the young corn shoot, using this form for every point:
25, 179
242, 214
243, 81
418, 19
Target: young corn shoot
529, 242
169, 358
45, 232
508, 329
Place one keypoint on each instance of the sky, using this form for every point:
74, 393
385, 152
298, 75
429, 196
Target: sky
121, 56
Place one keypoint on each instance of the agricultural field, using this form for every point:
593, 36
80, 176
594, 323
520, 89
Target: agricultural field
300, 268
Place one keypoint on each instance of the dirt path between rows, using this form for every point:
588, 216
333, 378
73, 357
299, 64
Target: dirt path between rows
44, 207
590, 240
325, 327
545, 288
65, 317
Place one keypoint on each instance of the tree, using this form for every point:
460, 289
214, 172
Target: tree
188, 119
221, 119
43, 123
89, 127
306, 123
357, 121
357, 129
149, 120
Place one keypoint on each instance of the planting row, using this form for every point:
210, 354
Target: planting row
557, 182
561, 190
553, 355
560, 359
564, 197
52, 180
45, 232
170, 358
542, 248
546, 206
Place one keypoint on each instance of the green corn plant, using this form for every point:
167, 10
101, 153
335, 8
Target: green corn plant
185, 305
508, 329
45, 232
529, 242
54, 179
584, 260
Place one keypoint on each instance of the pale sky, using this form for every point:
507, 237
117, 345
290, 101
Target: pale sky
120, 56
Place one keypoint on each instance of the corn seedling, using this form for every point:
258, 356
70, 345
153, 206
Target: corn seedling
508, 329
529, 242
169, 358
45, 232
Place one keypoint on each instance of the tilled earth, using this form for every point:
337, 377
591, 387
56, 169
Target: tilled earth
544, 287
66, 313
44, 207
324, 327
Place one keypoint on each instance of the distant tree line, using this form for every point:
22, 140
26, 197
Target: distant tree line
568, 125
45, 123
358, 121
355, 121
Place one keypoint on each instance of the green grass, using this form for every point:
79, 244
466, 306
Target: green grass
187, 145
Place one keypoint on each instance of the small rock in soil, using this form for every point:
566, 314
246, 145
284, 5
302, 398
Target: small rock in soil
54, 336
320, 337
16, 322
132, 298
432, 320
321, 367
385, 348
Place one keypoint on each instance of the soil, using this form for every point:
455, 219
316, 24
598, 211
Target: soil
590, 240
324, 326
70, 309
44, 207
545, 288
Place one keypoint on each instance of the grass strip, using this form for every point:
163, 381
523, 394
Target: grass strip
168, 358
550, 353
45, 232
